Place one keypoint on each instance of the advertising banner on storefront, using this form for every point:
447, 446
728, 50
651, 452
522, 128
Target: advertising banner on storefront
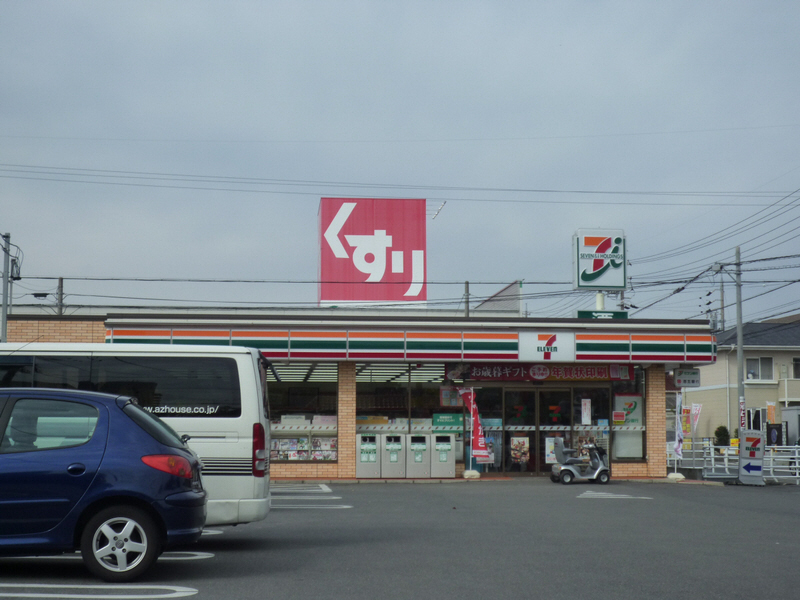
544, 372
372, 251
479, 450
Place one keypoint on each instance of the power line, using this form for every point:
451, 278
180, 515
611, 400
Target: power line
108, 177
402, 141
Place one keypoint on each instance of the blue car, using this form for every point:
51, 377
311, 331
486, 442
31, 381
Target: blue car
95, 473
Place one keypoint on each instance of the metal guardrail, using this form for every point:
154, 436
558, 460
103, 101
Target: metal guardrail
781, 463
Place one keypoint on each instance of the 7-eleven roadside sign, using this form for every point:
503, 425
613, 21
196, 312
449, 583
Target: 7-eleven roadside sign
751, 457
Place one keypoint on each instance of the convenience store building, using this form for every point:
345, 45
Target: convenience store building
340, 374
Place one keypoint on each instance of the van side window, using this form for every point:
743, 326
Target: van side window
172, 386
66, 372
16, 371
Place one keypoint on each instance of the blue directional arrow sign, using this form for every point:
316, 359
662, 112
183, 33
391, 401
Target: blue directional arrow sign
750, 468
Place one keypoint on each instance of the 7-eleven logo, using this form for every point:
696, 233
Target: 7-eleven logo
606, 254
548, 345
751, 445
600, 259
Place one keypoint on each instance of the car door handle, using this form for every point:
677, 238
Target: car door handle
76, 469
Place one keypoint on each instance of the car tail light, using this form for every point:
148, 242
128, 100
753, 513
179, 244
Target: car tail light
259, 450
169, 463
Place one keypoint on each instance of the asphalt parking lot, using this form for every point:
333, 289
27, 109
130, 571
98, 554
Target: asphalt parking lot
514, 538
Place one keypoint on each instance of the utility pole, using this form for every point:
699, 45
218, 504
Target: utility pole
740, 344
6, 275
466, 299
60, 297
722, 298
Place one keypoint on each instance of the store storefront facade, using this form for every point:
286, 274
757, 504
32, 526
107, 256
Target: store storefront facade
337, 378
342, 385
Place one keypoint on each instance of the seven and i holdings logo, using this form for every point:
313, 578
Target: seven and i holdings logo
600, 260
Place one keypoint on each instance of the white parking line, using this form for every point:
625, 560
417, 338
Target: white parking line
161, 591
306, 498
610, 495
317, 507
280, 492
311, 488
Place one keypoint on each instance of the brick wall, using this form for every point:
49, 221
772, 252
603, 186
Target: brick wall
58, 330
310, 470
656, 434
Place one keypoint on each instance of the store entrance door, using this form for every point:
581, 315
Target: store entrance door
533, 419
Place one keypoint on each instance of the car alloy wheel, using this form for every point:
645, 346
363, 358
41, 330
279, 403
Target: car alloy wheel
119, 543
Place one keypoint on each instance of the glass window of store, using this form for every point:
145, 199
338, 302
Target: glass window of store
672, 407
591, 410
628, 418
521, 422
407, 398
555, 421
520, 434
303, 401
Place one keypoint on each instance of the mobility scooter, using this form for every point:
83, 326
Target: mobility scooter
570, 468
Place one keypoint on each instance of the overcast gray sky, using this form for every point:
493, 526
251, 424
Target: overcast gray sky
194, 140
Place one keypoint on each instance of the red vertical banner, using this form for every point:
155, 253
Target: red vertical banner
372, 250
479, 450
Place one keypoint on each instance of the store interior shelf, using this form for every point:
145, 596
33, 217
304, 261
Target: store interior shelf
303, 429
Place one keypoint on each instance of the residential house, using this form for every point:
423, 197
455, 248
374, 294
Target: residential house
771, 380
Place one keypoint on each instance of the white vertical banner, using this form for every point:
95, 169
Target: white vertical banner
696, 408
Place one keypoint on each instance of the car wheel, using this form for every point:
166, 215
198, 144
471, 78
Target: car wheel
120, 543
603, 477
566, 477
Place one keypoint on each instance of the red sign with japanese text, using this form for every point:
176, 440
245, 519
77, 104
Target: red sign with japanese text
545, 372
372, 250
479, 450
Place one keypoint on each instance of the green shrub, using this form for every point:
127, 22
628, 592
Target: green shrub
721, 436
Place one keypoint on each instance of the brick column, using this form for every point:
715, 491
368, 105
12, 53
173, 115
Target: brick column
347, 420
656, 399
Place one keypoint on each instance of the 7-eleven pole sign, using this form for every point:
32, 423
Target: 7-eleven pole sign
751, 457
